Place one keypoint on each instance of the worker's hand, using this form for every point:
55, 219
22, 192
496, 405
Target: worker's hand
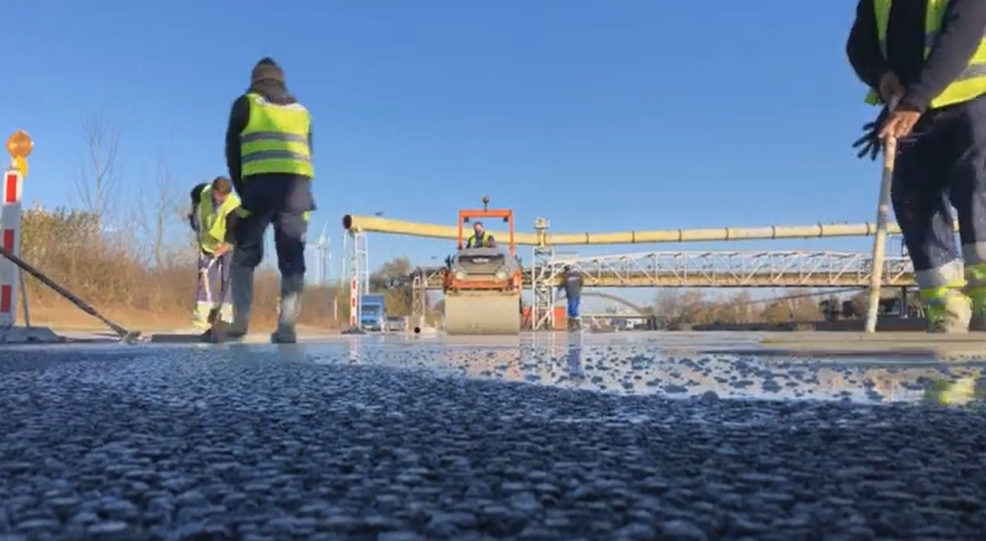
221, 250
870, 143
890, 87
899, 123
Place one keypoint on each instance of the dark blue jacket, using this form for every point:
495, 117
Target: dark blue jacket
961, 32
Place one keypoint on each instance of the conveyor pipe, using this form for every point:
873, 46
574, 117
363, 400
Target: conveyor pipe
374, 224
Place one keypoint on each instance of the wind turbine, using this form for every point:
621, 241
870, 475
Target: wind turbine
323, 254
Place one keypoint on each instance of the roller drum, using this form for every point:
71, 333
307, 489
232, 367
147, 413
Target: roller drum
475, 313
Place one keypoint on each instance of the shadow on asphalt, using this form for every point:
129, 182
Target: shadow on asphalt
176, 338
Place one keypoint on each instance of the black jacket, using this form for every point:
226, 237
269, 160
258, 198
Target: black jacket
239, 116
961, 32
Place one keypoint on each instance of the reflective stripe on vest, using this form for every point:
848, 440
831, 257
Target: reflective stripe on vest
212, 231
477, 242
969, 85
275, 139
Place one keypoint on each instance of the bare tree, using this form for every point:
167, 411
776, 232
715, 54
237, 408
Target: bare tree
676, 308
157, 209
98, 178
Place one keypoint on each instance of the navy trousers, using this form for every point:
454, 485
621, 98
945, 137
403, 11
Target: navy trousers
943, 165
573, 307
284, 201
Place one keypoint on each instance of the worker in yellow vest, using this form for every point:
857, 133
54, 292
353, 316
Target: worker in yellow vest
214, 220
925, 61
480, 238
269, 156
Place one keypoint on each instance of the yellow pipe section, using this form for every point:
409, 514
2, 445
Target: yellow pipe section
373, 224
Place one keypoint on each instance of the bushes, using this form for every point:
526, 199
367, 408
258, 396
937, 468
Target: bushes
114, 272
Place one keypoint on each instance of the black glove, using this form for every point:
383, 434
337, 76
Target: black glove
870, 142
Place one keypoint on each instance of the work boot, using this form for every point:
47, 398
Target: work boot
951, 315
217, 334
200, 318
288, 309
975, 276
978, 320
241, 289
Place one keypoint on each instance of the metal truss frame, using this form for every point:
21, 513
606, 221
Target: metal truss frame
356, 270
542, 278
421, 277
718, 269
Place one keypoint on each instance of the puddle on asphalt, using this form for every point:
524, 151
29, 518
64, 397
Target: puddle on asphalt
648, 366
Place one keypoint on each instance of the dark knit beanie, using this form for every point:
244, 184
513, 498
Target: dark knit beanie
266, 70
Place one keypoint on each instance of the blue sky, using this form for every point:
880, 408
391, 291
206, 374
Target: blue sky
597, 114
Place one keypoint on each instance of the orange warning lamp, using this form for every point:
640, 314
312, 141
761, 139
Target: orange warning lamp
19, 146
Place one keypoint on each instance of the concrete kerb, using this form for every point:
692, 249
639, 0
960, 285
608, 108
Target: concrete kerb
899, 345
29, 335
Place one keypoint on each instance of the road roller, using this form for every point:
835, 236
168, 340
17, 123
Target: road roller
482, 285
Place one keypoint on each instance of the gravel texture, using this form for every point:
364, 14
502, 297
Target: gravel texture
243, 443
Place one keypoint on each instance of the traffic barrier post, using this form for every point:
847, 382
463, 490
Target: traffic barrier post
19, 146
10, 221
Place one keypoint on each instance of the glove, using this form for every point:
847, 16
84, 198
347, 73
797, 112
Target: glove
870, 142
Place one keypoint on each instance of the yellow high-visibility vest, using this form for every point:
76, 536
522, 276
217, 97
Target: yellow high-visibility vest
478, 243
971, 84
212, 225
275, 139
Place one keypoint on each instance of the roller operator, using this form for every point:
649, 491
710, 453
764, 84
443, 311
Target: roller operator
480, 238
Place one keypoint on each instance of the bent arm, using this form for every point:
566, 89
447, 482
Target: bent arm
239, 116
863, 47
232, 224
962, 31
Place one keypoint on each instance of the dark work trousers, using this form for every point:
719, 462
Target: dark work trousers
941, 165
282, 200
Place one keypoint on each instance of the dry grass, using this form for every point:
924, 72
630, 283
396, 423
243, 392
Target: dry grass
106, 271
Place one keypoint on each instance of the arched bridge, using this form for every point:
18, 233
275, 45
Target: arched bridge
643, 311
715, 269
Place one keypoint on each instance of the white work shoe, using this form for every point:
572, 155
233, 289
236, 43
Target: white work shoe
288, 309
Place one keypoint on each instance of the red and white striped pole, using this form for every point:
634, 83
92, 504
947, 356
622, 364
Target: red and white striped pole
10, 222
353, 303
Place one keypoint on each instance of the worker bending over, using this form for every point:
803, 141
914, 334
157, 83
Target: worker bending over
214, 220
269, 155
480, 238
930, 57
572, 285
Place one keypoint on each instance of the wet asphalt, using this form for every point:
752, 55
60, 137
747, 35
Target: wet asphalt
564, 437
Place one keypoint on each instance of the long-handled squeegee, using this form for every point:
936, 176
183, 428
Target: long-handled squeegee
882, 219
127, 337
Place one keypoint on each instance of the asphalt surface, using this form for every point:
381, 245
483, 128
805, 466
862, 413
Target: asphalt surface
565, 438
